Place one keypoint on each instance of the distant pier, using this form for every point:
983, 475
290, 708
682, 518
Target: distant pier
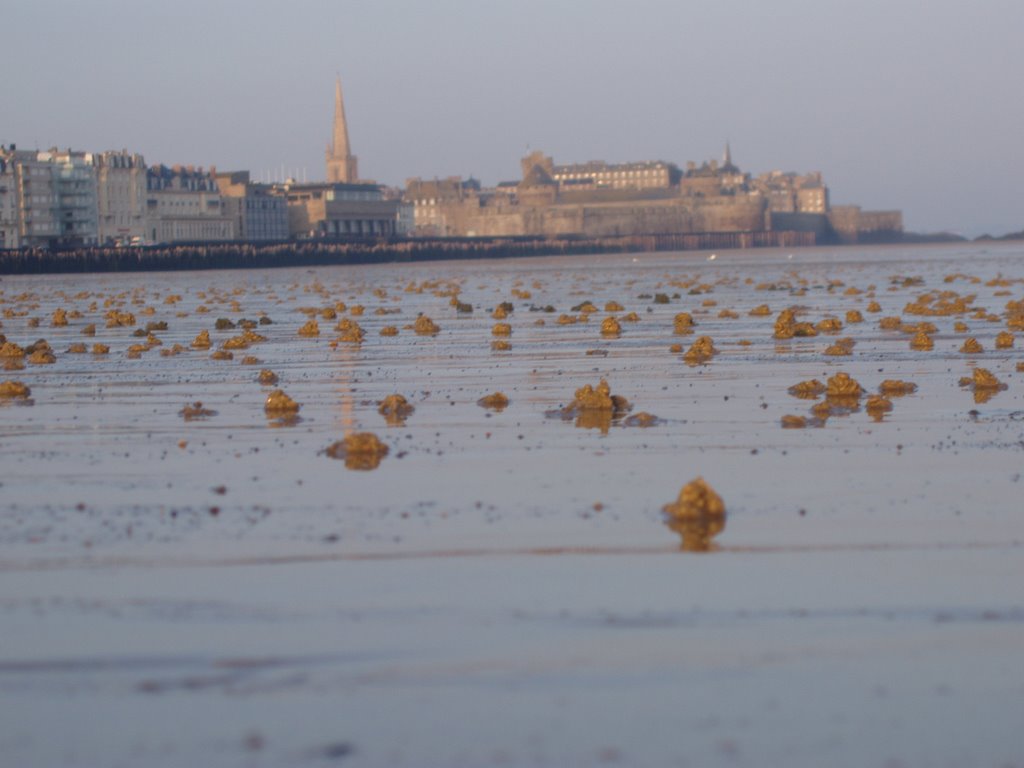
310, 253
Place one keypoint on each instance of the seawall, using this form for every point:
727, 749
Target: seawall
327, 253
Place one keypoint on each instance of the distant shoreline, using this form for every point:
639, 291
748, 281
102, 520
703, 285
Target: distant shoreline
313, 253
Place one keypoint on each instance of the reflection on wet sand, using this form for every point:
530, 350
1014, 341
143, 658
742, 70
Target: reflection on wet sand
345, 398
599, 420
275, 421
697, 533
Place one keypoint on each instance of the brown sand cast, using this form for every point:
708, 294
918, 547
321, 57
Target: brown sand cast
702, 350
896, 388
395, 409
877, 406
310, 328
595, 407
599, 398
14, 389
787, 326
983, 379
497, 401
424, 326
611, 327
196, 410
42, 356
202, 341
359, 451
922, 341
984, 384
808, 390
697, 515
841, 385
683, 324
350, 330
279, 404
841, 347
972, 347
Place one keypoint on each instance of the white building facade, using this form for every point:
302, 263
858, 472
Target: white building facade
183, 204
121, 197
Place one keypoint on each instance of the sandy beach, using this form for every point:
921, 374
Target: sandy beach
210, 585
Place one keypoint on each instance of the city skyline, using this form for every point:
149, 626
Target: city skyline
899, 106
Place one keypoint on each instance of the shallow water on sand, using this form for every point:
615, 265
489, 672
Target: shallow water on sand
502, 588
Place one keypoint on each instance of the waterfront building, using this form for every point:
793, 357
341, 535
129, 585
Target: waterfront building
599, 200
51, 198
121, 197
35, 199
8, 203
75, 183
342, 165
345, 206
644, 198
257, 212
335, 210
712, 179
590, 199
597, 174
440, 206
405, 221
183, 204
812, 198
74, 198
793, 193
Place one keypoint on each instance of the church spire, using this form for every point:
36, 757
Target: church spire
341, 164
727, 164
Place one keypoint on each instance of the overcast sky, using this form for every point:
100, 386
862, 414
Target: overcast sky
903, 104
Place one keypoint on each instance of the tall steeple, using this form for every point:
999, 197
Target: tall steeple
341, 164
727, 164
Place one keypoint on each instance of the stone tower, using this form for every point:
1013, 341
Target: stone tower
341, 164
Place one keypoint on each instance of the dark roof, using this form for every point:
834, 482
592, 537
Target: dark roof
537, 177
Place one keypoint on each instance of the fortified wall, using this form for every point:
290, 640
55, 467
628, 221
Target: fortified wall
677, 216
852, 225
598, 200
542, 206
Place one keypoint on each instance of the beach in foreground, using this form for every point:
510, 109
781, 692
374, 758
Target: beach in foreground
187, 578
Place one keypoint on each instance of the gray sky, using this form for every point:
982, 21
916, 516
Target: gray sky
900, 103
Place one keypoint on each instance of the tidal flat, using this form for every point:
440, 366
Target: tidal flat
192, 575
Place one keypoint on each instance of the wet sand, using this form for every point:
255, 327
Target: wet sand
500, 587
